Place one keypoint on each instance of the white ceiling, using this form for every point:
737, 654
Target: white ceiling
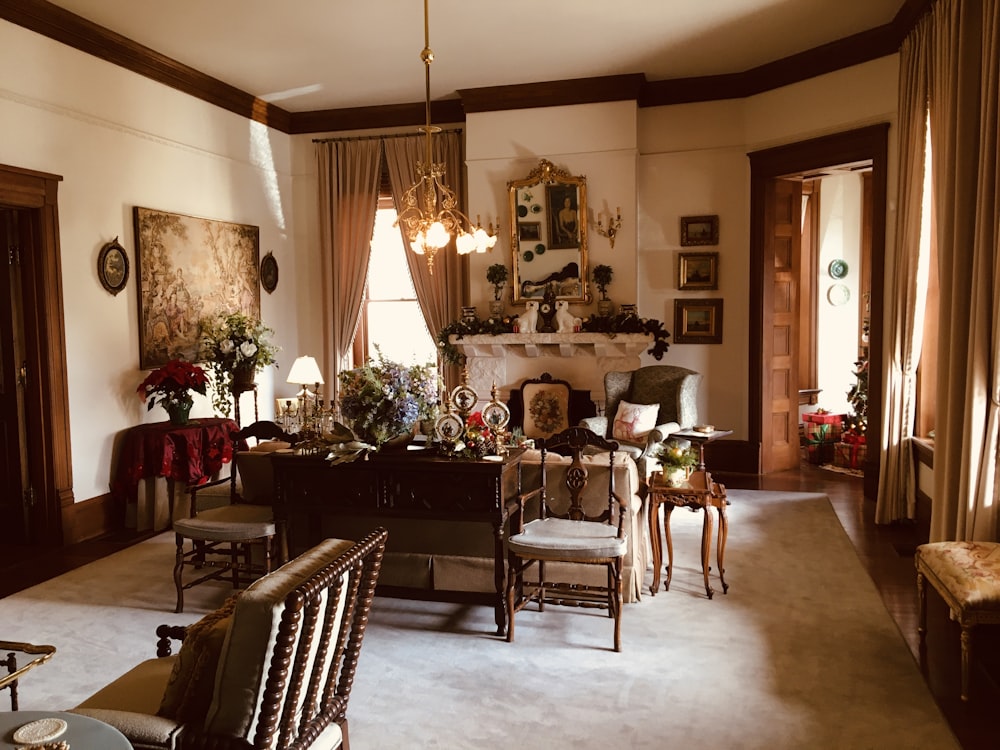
306, 55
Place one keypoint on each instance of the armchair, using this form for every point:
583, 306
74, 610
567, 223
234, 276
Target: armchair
271, 669
674, 389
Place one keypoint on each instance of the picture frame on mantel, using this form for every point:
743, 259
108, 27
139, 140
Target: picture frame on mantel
697, 321
190, 268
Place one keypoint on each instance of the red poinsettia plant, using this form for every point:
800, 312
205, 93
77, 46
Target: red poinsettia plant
172, 384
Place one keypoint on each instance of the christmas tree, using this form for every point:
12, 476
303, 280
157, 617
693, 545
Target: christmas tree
857, 420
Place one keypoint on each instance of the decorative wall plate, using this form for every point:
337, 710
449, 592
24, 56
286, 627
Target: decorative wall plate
112, 267
269, 273
528, 256
838, 268
838, 295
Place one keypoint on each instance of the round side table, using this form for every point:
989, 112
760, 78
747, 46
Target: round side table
82, 732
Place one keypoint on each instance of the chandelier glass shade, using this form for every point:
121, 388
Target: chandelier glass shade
430, 215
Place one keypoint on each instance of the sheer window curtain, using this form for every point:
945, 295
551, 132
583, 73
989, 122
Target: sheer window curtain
348, 177
965, 68
908, 273
440, 295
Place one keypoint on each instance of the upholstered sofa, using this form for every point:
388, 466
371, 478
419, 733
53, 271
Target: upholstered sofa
463, 560
272, 668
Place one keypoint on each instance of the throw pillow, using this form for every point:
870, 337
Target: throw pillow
634, 421
189, 689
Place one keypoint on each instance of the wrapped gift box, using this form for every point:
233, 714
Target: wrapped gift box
820, 453
849, 455
823, 428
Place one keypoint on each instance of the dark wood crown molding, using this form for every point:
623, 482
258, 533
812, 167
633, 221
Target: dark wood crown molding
56, 23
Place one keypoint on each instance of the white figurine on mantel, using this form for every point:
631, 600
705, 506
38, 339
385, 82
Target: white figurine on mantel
565, 321
527, 322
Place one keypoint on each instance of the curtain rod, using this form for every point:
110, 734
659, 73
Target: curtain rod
379, 137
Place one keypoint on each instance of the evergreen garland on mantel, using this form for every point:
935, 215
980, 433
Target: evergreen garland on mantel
610, 325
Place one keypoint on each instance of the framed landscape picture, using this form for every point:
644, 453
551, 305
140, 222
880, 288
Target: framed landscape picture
698, 271
699, 230
698, 321
188, 269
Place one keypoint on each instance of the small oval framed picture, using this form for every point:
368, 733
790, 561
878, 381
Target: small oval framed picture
269, 273
112, 266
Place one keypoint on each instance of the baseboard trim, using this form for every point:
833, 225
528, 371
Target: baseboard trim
89, 519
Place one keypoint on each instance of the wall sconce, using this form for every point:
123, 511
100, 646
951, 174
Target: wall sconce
614, 224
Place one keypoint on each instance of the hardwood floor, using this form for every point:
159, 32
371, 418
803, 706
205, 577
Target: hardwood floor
886, 553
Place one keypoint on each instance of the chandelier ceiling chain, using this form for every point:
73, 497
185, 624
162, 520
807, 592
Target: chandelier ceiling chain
431, 216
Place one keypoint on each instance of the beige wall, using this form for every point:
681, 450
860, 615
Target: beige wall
120, 140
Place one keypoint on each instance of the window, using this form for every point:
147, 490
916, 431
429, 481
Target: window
391, 319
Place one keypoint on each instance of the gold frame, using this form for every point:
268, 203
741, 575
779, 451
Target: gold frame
689, 264
561, 262
697, 321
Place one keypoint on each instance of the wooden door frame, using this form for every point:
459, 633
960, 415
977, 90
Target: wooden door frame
863, 144
46, 397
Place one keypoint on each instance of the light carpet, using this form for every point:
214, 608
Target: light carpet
800, 654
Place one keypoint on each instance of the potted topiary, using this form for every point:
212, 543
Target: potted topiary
602, 275
497, 276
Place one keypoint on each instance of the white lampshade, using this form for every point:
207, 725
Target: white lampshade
304, 370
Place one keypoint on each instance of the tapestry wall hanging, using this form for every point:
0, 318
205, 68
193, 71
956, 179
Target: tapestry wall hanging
189, 269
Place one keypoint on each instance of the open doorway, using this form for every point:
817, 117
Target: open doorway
776, 286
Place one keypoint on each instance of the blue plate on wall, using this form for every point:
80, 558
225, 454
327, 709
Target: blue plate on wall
838, 268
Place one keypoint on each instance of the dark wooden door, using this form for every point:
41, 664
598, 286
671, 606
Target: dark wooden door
15, 509
782, 242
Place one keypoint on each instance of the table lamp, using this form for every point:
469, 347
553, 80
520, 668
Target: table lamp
304, 371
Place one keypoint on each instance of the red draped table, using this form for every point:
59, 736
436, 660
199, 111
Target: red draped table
189, 454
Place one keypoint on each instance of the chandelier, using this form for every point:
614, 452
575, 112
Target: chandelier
430, 216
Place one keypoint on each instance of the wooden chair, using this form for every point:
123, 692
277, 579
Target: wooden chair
967, 576
222, 539
567, 532
271, 669
550, 403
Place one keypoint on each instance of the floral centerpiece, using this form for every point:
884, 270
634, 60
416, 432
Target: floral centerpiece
677, 459
236, 346
384, 399
477, 440
170, 386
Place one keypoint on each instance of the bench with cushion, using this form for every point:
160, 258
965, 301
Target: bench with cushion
967, 576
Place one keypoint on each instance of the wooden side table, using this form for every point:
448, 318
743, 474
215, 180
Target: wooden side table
691, 495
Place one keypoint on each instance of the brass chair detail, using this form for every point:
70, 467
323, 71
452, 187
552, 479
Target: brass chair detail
568, 532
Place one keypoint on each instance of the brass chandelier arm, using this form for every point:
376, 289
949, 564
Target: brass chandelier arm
428, 227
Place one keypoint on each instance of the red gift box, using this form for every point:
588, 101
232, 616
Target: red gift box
849, 455
823, 427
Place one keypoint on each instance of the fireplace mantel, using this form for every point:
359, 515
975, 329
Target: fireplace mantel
553, 344
507, 359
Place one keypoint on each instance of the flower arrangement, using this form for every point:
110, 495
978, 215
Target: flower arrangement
673, 454
170, 386
384, 399
232, 342
677, 460
478, 439
497, 276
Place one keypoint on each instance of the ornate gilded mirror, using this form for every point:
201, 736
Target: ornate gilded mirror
548, 228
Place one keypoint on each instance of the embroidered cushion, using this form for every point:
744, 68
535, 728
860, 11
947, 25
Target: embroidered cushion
634, 421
